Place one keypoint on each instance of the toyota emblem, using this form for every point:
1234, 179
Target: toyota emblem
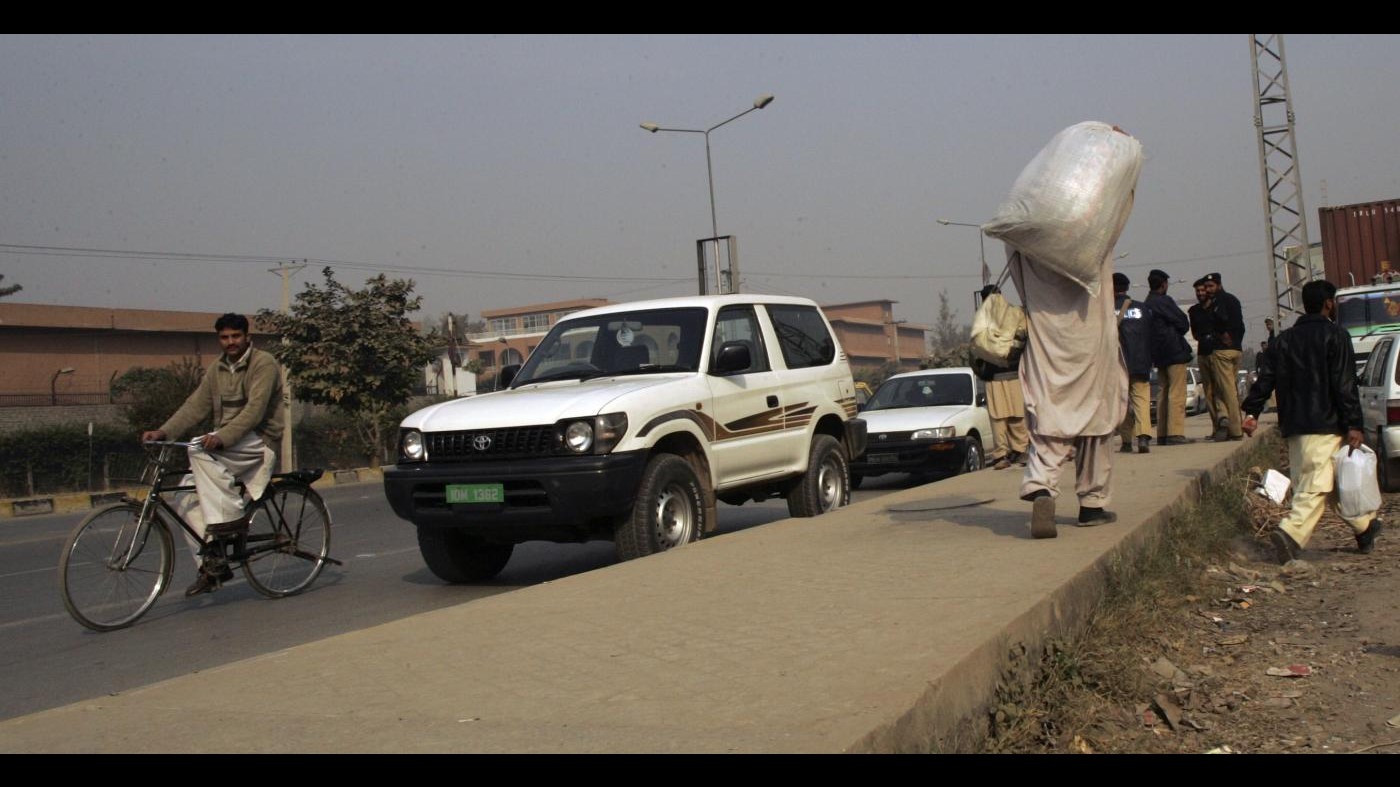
481, 442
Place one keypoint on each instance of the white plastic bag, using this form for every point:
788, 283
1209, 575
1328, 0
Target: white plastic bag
998, 331
1358, 492
1068, 206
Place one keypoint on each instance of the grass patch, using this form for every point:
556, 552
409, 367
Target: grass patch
1054, 700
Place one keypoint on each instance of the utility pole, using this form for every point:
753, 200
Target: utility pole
1285, 219
286, 269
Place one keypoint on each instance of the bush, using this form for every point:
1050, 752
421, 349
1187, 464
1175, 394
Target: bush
53, 459
157, 393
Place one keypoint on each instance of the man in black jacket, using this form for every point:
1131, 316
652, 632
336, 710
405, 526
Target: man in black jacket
1135, 337
1170, 354
1312, 369
1225, 358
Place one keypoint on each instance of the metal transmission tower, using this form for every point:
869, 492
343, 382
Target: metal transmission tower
1285, 219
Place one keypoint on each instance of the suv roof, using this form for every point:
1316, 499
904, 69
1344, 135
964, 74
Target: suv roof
705, 301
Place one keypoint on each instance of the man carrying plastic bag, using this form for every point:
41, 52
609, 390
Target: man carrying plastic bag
1313, 371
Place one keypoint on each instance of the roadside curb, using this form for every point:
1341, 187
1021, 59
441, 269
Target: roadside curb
69, 502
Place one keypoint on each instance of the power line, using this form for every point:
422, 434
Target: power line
68, 251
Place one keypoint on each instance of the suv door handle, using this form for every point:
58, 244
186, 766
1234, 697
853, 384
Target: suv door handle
772, 401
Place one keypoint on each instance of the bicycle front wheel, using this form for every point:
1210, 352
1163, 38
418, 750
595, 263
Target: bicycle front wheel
289, 536
114, 567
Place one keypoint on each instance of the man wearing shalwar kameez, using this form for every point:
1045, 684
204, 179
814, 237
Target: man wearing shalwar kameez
1075, 384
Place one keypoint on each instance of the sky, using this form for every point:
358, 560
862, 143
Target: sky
175, 171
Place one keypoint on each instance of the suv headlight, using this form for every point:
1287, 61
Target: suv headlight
411, 446
930, 434
597, 435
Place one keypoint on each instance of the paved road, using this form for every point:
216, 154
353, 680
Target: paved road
48, 660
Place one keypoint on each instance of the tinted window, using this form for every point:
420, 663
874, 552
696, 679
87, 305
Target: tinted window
802, 335
1374, 372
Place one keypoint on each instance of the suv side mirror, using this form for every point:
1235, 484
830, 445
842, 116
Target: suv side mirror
733, 357
506, 375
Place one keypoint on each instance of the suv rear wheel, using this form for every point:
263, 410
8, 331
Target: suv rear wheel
669, 512
827, 482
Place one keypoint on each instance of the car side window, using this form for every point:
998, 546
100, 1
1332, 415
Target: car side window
802, 335
740, 324
1373, 373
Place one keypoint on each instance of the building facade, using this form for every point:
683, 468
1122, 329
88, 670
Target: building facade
872, 337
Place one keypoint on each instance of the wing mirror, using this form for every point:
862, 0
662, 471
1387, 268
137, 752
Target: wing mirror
733, 357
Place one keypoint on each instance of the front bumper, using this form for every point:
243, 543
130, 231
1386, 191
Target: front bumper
911, 456
562, 498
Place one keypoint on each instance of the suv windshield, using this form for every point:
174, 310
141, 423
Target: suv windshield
642, 342
930, 390
1365, 310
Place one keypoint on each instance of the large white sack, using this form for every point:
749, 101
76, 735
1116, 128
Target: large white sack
1068, 206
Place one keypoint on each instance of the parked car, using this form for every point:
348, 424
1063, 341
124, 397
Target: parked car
928, 422
627, 422
1379, 388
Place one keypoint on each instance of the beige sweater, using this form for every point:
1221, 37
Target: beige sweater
243, 396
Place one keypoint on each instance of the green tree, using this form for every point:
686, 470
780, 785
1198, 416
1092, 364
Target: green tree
153, 395
355, 351
950, 341
10, 290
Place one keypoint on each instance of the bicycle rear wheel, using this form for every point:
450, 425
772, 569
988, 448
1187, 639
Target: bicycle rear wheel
289, 536
114, 568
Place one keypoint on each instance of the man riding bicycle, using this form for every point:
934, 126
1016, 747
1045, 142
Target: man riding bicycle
230, 466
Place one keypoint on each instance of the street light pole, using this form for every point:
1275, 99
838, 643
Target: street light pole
981, 243
758, 103
53, 383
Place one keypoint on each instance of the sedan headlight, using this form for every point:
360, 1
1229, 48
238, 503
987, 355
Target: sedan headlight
597, 435
411, 447
931, 434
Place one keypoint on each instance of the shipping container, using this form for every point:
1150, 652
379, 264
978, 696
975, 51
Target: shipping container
1361, 243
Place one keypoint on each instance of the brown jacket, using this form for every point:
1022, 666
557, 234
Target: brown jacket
242, 397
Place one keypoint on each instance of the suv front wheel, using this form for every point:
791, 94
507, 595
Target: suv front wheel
827, 482
669, 512
458, 557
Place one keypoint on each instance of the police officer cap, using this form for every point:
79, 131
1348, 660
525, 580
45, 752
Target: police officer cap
1120, 282
1215, 277
1156, 277
1201, 282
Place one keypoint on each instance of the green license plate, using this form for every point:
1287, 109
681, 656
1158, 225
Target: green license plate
476, 493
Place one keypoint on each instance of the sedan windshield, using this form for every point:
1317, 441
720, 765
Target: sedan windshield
643, 342
927, 391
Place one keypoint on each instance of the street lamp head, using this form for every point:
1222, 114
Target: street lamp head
944, 222
762, 101
652, 127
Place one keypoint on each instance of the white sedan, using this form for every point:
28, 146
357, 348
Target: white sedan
928, 422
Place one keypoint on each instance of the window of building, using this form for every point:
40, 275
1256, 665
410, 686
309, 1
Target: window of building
503, 324
536, 321
487, 358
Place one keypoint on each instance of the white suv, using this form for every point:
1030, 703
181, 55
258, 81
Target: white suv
1378, 387
627, 422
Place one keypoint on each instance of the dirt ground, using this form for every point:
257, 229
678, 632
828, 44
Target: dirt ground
1252, 658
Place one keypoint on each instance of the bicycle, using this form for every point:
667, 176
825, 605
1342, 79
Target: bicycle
120, 558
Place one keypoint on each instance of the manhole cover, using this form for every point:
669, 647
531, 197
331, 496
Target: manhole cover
939, 503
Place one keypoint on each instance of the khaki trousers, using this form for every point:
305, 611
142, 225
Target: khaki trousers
216, 476
1139, 409
1224, 366
1010, 435
1171, 401
1313, 473
1092, 470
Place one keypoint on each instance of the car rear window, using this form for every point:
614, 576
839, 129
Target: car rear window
802, 335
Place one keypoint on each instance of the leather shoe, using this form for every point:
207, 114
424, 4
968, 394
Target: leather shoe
207, 582
1285, 548
1366, 540
1174, 439
1088, 516
1142, 444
